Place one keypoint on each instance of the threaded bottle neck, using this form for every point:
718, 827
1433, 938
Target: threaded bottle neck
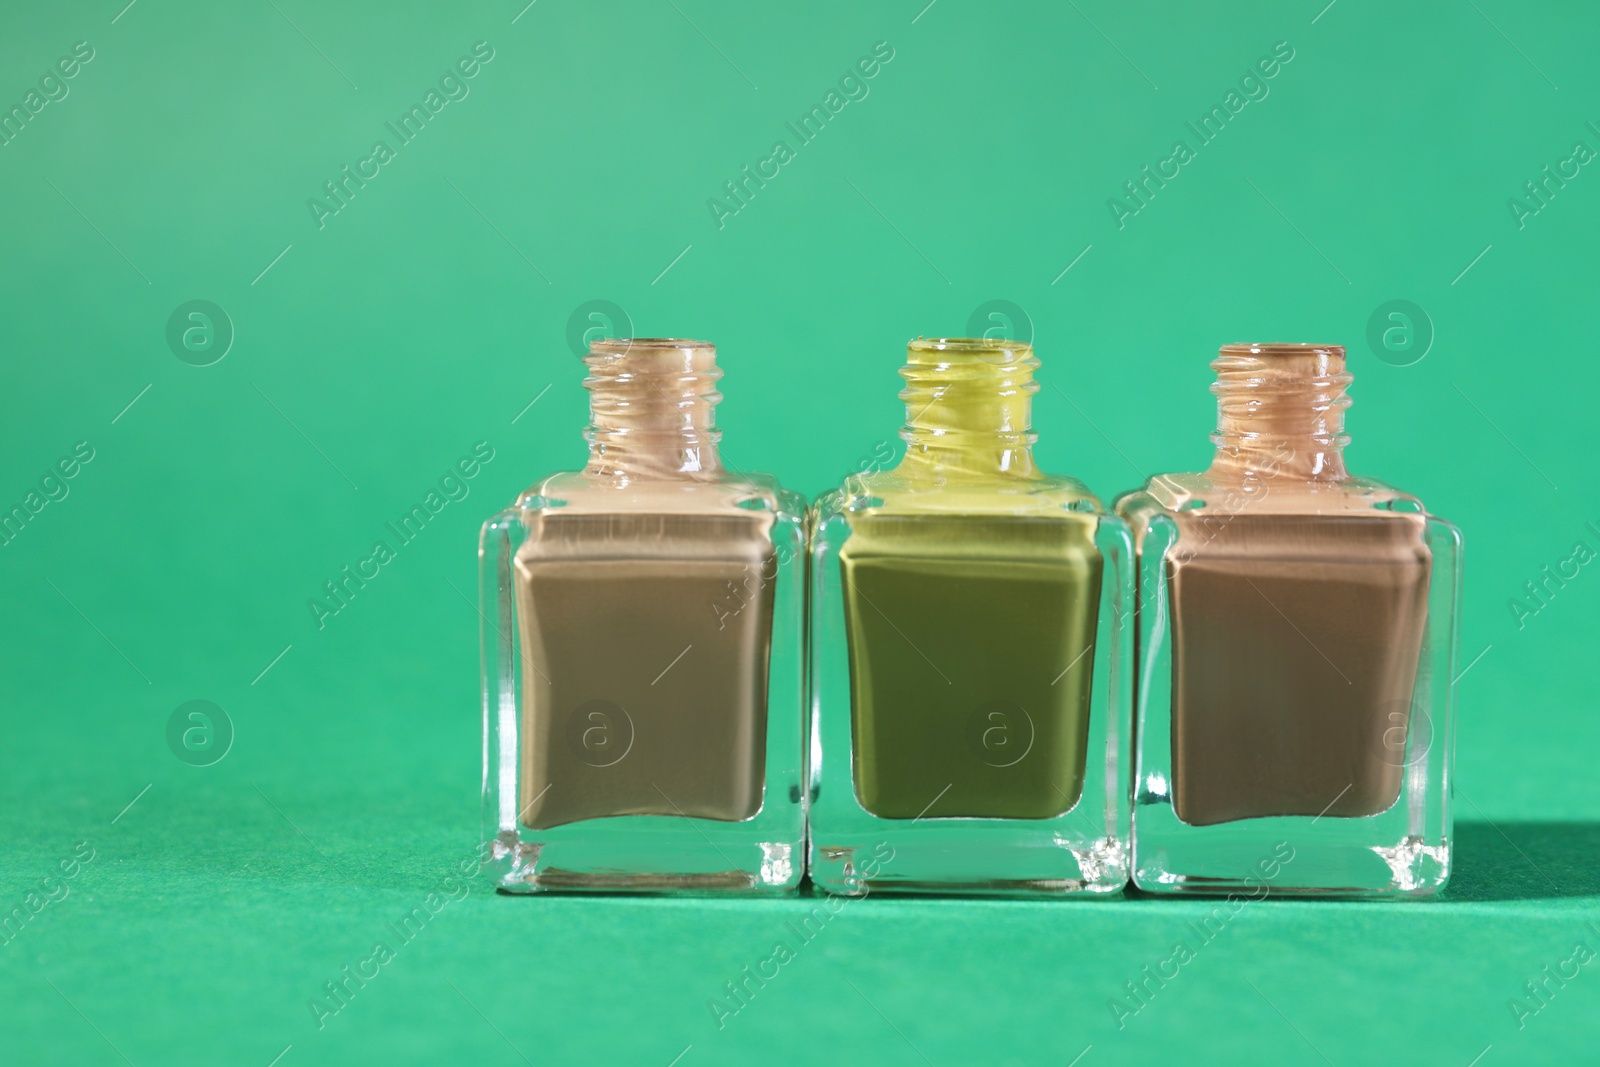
651, 408
968, 408
1280, 412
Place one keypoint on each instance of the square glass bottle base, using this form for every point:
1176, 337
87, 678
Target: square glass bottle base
1328, 856
645, 854
966, 857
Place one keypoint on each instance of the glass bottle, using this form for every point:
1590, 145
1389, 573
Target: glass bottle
643, 651
971, 629
1297, 640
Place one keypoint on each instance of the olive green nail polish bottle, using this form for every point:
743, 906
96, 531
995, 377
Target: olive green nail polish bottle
970, 675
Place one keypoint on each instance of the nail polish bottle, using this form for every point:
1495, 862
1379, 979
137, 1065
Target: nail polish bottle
643, 648
1297, 635
971, 628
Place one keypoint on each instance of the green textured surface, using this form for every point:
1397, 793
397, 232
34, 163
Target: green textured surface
413, 325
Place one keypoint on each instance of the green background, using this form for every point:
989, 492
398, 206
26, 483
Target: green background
431, 310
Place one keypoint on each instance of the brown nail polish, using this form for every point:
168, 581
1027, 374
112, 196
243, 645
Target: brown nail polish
1297, 628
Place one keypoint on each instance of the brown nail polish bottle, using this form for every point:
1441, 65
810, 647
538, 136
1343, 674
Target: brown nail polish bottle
643, 651
1296, 641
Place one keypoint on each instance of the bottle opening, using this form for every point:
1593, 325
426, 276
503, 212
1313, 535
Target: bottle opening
650, 342
997, 350
1282, 348
654, 349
